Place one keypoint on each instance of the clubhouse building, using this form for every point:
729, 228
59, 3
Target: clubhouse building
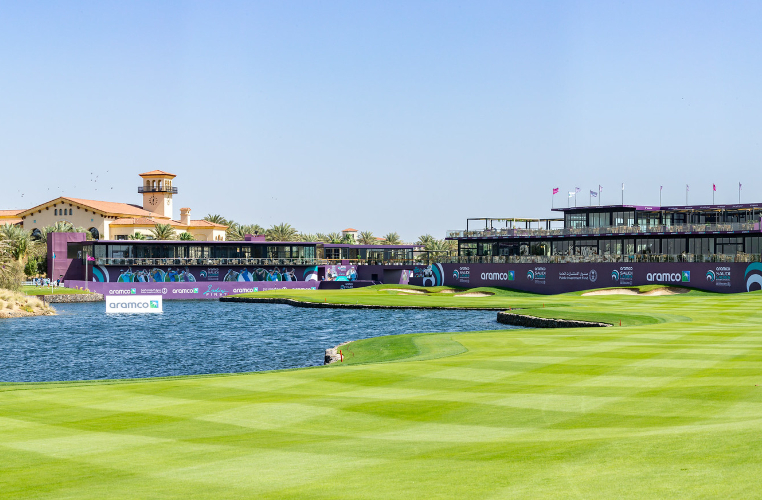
118, 221
710, 247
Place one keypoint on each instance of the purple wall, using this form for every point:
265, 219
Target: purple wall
61, 265
561, 278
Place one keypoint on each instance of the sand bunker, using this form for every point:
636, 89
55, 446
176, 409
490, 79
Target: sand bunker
404, 290
475, 294
448, 290
632, 291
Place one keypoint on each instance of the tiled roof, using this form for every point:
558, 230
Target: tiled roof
108, 207
11, 221
145, 221
349, 229
138, 221
9, 213
158, 172
206, 223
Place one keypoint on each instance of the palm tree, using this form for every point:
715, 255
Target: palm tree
186, 236
282, 232
16, 241
425, 240
347, 240
392, 239
60, 227
233, 232
333, 238
367, 238
252, 229
309, 237
216, 218
137, 236
163, 232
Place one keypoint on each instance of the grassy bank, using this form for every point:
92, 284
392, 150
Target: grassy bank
46, 290
666, 406
19, 305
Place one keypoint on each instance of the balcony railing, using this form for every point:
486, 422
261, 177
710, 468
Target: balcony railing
157, 189
577, 259
605, 231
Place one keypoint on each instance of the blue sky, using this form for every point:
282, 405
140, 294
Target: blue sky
383, 116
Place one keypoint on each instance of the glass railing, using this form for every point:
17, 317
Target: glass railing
573, 259
101, 261
204, 262
606, 230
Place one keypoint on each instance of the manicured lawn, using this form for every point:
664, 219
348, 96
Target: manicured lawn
45, 290
667, 406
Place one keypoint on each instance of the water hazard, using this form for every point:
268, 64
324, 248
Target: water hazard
198, 337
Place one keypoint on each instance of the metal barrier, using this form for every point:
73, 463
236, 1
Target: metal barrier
605, 231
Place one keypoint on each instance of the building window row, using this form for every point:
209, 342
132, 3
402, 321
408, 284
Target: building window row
62, 211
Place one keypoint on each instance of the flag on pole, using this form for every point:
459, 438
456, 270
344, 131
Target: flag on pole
555, 190
90, 257
600, 188
571, 193
623, 186
593, 194
714, 187
576, 190
54, 255
687, 187
740, 185
661, 187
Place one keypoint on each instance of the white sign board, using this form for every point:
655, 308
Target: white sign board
134, 304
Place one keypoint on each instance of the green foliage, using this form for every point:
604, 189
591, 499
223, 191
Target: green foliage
137, 236
11, 274
309, 237
367, 238
16, 241
392, 239
163, 232
216, 218
62, 227
282, 232
186, 236
32, 267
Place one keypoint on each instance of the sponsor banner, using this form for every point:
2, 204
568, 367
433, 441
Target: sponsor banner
562, 278
145, 304
179, 291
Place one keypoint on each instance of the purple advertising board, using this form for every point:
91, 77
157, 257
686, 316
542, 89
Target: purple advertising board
561, 278
202, 290
199, 274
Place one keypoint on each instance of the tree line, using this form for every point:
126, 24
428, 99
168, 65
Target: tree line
286, 232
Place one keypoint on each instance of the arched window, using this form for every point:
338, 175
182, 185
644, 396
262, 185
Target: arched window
70, 211
36, 234
95, 233
55, 211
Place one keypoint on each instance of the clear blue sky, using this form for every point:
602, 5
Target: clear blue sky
384, 116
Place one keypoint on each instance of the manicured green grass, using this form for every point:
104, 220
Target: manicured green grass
45, 290
668, 407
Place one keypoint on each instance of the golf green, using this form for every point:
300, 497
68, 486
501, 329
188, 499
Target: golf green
668, 405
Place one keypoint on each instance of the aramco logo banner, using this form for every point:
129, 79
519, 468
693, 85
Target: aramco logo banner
145, 304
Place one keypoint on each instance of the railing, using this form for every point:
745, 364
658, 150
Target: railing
157, 189
204, 262
575, 259
606, 230
102, 261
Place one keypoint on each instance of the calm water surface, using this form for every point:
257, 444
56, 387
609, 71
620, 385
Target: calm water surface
196, 337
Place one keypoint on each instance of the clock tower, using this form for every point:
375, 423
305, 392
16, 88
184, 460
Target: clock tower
157, 192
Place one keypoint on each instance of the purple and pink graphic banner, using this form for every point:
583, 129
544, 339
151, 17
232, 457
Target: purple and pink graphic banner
201, 290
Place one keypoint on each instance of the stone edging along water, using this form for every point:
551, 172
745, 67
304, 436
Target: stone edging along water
329, 305
508, 318
70, 298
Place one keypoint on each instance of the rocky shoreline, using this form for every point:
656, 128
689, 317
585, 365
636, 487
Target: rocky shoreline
527, 321
332, 355
328, 305
71, 298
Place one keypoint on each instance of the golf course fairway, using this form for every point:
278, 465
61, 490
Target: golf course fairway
669, 405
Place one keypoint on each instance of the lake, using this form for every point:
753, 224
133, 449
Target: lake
200, 337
